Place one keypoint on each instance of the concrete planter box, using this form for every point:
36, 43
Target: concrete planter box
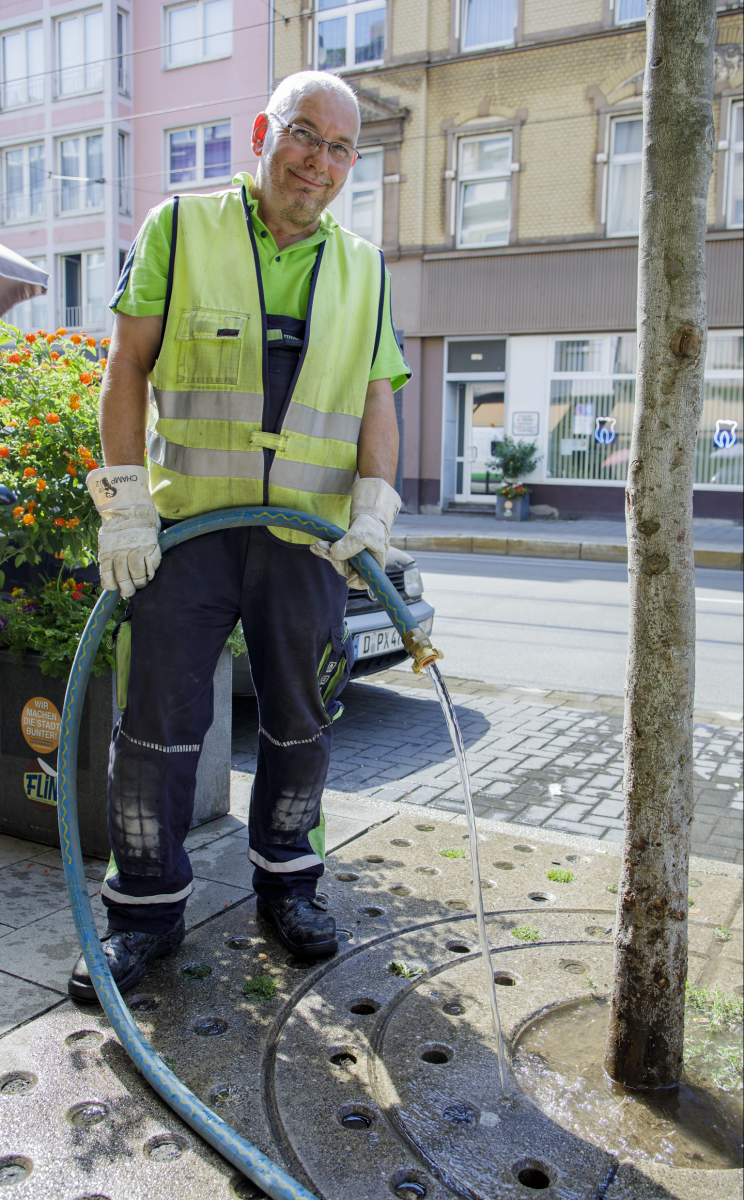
31, 701
513, 510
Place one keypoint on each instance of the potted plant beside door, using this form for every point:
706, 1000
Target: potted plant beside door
515, 459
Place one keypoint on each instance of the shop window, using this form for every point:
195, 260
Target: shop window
24, 182
81, 173
624, 190
484, 197
349, 35
200, 31
199, 155
718, 450
358, 207
30, 315
82, 278
629, 10
80, 53
22, 63
734, 207
487, 23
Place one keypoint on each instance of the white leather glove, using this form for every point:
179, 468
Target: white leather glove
128, 550
374, 507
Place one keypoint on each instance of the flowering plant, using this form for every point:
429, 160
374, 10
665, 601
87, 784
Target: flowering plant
49, 621
49, 440
514, 491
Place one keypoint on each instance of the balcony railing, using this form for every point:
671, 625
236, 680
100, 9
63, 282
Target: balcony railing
19, 92
74, 317
89, 316
72, 80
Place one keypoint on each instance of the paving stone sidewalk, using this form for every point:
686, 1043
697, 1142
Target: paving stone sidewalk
536, 758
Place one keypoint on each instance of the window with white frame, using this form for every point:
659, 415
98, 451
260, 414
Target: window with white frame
22, 62
122, 47
358, 207
80, 161
80, 53
349, 35
198, 155
484, 190
122, 157
624, 184
629, 10
82, 287
24, 182
30, 315
487, 22
735, 182
198, 31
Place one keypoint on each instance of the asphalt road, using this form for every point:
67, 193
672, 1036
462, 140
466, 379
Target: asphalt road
563, 625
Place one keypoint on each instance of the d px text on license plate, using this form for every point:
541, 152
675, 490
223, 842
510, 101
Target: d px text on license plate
377, 641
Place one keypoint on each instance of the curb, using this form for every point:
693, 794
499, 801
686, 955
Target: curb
722, 560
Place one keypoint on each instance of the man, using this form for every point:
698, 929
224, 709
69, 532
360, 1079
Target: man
265, 333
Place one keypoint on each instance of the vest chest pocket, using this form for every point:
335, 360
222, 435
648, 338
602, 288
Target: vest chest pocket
210, 344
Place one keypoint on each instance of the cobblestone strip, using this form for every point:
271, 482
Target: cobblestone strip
544, 759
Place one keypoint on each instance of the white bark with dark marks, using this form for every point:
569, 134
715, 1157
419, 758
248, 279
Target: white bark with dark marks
644, 1047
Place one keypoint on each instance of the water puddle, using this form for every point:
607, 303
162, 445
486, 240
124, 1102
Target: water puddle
558, 1062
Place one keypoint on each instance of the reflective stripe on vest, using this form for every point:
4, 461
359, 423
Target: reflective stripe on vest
248, 464
248, 406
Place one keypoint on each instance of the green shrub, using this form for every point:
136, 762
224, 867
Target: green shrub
515, 458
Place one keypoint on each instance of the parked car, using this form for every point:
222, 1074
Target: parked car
377, 643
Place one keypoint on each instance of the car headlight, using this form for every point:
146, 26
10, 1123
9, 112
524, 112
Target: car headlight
412, 581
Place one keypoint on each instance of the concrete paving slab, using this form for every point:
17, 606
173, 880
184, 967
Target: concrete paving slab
43, 952
210, 898
21, 1001
31, 892
95, 868
14, 849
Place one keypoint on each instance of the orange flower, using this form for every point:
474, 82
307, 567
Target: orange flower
85, 378
29, 473
30, 338
71, 470
65, 362
12, 423
60, 521
17, 512
33, 422
14, 358
4, 452
104, 364
54, 355
41, 485
50, 337
41, 333
74, 402
24, 450
91, 341
4, 401
105, 341
31, 506
29, 519
61, 332
52, 419
73, 522
91, 464
76, 339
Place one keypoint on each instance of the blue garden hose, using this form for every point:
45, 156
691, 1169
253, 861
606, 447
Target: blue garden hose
247, 1158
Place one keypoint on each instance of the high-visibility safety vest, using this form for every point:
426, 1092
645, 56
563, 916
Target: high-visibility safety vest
206, 440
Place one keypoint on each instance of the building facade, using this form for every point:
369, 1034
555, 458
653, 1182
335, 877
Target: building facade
500, 173
107, 109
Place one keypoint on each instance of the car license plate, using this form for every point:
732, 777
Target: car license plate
377, 641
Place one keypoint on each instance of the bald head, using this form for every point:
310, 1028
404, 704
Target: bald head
290, 92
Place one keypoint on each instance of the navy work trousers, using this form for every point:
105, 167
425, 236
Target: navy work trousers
292, 607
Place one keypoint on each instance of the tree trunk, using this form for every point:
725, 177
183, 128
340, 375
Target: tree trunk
644, 1047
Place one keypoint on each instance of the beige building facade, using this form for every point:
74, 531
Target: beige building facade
500, 174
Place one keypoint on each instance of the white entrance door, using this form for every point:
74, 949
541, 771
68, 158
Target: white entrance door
480, 419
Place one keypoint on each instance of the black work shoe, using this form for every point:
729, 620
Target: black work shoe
128, 955
302, 924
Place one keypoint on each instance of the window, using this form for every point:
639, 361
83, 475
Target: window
734, 214
22, 67
199, 155
199, 31
629, 10
30, 315
624, 190
350, 34
718, 449
83, 282
122, 38
359, 205
487, 22
483, 217
122, 172
24, 182
81, 173
80, 53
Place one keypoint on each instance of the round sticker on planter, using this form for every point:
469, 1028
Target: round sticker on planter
40, 784
41, 725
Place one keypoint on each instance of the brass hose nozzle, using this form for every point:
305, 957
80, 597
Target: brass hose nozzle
417, 644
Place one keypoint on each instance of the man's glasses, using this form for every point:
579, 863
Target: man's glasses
310, 142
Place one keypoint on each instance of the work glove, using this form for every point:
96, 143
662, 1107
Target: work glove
128, 550
374, 507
